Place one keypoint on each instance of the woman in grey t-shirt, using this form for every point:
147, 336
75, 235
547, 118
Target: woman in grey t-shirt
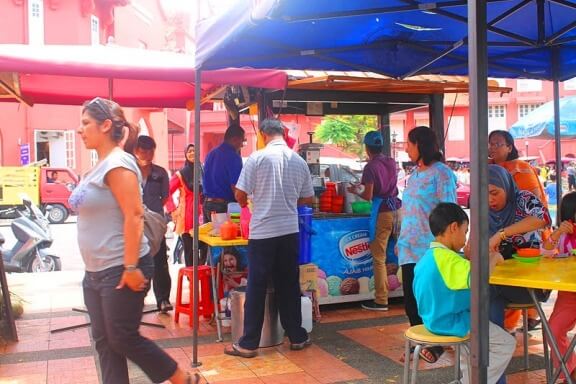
115, 252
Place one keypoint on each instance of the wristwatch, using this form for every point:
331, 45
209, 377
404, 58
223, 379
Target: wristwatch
130, 268
502, 235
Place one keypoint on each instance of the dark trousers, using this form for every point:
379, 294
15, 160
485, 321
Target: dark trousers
161, 282
410, 305
275, 258
188, 242
115, 315
213, 206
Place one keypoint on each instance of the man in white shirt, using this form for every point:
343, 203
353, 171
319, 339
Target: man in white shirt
278, 180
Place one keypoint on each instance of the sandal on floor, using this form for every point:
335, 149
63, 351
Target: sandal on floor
431, 354
192, 379
236, 350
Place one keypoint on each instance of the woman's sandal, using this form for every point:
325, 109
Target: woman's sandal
236, 350
431, 354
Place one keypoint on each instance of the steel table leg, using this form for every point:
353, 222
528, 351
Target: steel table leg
215, 296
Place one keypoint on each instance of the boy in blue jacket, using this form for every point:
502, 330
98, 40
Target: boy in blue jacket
442, 289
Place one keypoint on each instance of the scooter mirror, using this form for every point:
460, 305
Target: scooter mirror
26, 202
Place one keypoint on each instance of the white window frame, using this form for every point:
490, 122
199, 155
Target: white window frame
524, 109
70, 138
496, 117
528, 85
35, 22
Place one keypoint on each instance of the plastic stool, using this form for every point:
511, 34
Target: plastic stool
524, 308
205, 305
420, 337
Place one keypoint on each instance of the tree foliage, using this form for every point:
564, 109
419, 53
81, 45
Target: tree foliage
346, 132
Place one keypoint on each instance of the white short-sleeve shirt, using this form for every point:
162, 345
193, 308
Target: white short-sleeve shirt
275, 178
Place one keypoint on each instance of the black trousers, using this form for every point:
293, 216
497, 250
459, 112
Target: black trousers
275, 258
115, 316
188, 243
161, 282
410, 305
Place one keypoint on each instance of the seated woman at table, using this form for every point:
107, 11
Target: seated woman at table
561, 243
516, 218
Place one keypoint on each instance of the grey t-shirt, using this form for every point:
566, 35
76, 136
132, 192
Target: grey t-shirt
100, 220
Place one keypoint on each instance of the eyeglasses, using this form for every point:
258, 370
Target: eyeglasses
497, 145
102, 106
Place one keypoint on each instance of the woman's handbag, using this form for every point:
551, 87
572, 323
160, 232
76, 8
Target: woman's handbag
154, 230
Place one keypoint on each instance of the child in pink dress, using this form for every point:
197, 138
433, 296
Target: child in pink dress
560, 244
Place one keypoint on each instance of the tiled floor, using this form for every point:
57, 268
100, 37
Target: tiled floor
350, 345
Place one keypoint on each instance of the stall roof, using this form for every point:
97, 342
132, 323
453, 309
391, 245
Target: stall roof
387, 85
397, 38
56, 74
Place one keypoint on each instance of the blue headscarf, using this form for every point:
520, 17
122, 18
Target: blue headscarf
501, 178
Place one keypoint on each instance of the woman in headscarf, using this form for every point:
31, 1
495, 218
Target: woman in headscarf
503, 152
516, 218
182, 214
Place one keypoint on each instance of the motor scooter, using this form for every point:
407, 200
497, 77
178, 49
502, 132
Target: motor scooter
31, 252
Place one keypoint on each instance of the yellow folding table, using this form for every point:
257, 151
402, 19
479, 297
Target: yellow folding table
216, 241
548, 273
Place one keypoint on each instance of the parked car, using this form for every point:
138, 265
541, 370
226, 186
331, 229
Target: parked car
463, 195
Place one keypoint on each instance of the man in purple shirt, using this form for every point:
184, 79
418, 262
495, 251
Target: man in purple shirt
221, 171
379, 180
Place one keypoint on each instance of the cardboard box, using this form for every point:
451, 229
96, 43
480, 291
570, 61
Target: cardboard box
309, 278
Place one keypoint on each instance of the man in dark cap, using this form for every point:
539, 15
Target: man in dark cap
155, 191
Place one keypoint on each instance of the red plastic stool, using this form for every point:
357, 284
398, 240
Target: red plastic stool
205, 305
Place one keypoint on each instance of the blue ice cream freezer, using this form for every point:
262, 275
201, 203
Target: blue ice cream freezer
340, 247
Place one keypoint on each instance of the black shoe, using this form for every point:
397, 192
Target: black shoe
301, 346
165, 306
374, 306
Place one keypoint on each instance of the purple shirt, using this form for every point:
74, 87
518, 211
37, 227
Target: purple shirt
381, 172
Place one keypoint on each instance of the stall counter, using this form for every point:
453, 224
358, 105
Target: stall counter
340, 248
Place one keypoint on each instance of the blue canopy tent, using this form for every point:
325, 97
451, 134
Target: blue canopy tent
540, 122
400, 38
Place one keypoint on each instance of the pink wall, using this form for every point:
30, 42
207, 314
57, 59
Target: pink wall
12, 29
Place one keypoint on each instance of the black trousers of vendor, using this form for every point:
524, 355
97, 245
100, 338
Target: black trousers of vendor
274, 259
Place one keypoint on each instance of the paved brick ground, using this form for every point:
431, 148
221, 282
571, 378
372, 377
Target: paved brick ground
350, 345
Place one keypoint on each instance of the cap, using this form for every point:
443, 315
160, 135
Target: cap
374, 138
146, 142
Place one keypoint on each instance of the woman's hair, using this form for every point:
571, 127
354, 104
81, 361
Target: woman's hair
427, 144
568, 207
513, 155
101, 110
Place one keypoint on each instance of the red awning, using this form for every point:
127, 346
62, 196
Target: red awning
135, 77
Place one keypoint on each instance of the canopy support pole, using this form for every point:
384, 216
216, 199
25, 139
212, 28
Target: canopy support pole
557, 142
195, 210
478, 69
384, 128
436, 118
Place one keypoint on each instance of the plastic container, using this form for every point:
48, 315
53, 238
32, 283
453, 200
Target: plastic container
245, 216
306, 306
305, 234
528, 252
228, 231
337, 204
217, 220
361, 207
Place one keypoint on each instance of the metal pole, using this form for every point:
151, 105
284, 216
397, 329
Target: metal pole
195, 210
477, 69
557, 143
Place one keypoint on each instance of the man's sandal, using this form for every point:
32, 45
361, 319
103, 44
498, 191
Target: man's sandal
236, 350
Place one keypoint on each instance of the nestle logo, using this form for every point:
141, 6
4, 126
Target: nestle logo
355, 246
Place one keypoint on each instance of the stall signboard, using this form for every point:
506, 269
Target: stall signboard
24, 154
341, 250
